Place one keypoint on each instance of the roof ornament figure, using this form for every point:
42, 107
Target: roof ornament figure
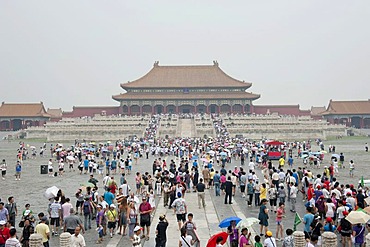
156, 64
215, 63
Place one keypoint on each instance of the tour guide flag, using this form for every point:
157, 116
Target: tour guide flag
362, 181
297, 221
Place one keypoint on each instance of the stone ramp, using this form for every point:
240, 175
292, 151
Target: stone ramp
186, 127
206, 221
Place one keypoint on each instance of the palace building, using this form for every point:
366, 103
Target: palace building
185, 89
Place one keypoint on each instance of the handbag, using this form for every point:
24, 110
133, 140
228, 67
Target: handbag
145, 217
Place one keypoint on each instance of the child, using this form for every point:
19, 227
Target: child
279, 217
257, 241
288, 240
219, 241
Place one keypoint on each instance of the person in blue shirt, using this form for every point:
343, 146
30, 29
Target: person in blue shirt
307, 220
113, 166
329, 227
107, 166
195, 164
290, 161
295, 175
18, 170
86, 165
108, 196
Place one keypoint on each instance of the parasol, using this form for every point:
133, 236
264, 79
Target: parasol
51, 192
248, 222
357, 217
226, 222
212, 241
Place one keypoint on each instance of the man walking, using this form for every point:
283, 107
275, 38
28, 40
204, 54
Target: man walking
3, 167
160, 232
216, 183
71, 222
77, 240
145, 209
228, 190
44, 231
293, 197
250, 192
200, 189
11, 206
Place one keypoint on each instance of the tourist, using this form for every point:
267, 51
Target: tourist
18, 171
201, 194
3, 167
100, 223
272, 194
136, 240
185, 240
55, 215
71, 222
312, 241
131, 219
228, 190
316, 226
269, 240
44, 231
66, 208
12, 241
257, 241
219, 241
359, 235
279, 225
122, 210
307, 221
328, 225
77, 240
180, 209
145, 219
4, 232
293, 197
263, 216
250, 192
112, 217
28, 229
288, 240
191, 229
216, 183
244, 238
351, 168
257, 193
80, 200
11, 206
87, 211
345, 229
109, 196
161, 232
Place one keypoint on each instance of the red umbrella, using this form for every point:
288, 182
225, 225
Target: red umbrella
212, 240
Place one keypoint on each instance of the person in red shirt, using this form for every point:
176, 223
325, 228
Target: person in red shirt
4, 233
310, 192
145, 210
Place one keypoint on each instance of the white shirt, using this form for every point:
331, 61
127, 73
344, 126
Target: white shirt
188, 239
269, 242
251, 166
77, 241
125, 189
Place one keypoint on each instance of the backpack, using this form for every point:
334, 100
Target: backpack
86, 208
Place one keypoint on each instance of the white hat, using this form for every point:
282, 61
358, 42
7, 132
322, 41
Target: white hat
2, 222
26, 212
112, 206
137, 228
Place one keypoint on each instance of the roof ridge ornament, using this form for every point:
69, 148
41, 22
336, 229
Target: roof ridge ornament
156, 63
215, 63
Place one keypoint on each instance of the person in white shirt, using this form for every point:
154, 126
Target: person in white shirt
269, 241
77, 240
125, 189
251, 165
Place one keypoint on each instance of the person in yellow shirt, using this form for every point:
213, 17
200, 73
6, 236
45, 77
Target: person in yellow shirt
211, 175
44, 231
263, 191
281, 162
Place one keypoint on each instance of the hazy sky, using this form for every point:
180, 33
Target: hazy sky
67, 53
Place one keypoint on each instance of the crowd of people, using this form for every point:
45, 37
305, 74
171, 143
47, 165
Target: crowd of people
180, 166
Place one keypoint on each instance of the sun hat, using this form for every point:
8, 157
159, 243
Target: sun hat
2, 222
329, 219
112, 206
269, 234
345, 213
137, 228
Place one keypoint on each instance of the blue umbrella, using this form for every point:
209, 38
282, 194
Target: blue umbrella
223, 154
226, 222
194, 157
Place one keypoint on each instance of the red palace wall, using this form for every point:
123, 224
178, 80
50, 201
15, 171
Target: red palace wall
281, 110
91, 111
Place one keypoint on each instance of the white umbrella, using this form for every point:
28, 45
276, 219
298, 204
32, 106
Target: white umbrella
51, 192
356, 217
71, 158
248, 222
211, 152
32, 147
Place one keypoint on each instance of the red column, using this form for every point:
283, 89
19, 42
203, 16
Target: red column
141, 110
153, 110
243, 108
362, 123
177, 109
128, 110
207, 109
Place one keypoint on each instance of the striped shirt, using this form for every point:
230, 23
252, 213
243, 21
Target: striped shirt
12, 242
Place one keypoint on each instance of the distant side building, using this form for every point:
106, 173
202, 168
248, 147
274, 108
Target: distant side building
316, 112
90, 111
293, 110
16, 116
55, 114
351, 113
185, 89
